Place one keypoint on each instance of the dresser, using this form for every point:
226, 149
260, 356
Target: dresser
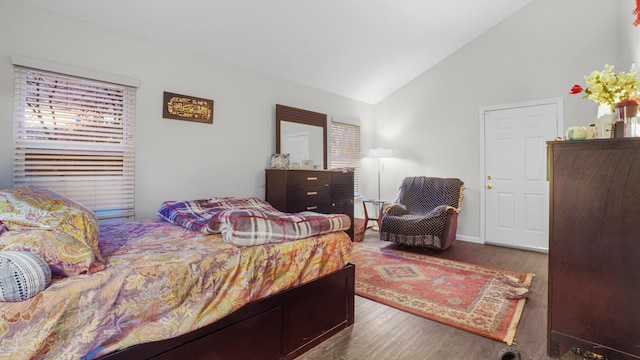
323, 191
594, 247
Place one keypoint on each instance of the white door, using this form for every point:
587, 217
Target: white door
516, 190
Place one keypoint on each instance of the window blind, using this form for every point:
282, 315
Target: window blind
345, 149
75, 136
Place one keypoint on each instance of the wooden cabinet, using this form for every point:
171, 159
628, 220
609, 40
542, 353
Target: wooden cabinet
594, 247
323, 191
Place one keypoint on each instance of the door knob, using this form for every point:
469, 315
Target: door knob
489, 186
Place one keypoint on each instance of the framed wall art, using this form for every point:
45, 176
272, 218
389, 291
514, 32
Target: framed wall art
189, 108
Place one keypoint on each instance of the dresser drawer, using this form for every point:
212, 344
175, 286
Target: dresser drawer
309, 178
310, 193
320, 206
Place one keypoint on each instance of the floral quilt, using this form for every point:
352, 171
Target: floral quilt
161, 280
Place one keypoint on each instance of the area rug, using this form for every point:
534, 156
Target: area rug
465, 296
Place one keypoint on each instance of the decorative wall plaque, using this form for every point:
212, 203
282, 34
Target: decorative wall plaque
189, 108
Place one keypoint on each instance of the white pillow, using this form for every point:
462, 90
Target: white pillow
22, 275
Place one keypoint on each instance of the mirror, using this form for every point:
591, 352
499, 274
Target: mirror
302, 134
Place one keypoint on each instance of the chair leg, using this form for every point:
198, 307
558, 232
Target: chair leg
380, 213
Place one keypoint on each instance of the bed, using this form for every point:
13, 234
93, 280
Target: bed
155, 289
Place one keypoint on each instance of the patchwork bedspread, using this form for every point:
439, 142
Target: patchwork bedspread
161, 280
249, 221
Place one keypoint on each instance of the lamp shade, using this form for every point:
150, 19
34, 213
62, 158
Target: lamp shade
380, 153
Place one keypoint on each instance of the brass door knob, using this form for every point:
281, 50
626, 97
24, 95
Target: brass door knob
489, 186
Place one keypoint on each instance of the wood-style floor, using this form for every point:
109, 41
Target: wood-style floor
384, 333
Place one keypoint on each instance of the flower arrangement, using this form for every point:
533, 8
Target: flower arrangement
607, 87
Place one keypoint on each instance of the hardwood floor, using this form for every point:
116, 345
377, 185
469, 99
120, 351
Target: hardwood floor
384, 333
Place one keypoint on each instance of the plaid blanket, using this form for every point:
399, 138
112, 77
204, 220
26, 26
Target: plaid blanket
249, 221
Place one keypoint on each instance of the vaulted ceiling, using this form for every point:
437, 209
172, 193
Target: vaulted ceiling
361, 49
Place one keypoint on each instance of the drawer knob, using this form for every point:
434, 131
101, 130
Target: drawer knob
311, 193
312, 178
311, 207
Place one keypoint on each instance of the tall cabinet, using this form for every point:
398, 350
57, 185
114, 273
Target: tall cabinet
323, 191
594, 247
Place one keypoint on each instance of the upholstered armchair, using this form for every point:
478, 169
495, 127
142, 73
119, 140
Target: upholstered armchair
425, 213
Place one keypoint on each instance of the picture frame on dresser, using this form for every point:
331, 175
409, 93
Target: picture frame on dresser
280, 161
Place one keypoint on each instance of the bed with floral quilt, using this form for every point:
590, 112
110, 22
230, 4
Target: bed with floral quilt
160, 289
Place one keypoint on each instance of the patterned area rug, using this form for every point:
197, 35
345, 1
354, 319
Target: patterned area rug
468, 297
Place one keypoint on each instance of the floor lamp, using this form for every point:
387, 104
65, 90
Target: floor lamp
379, 154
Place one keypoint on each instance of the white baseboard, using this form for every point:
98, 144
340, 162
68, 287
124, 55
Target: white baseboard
473, 239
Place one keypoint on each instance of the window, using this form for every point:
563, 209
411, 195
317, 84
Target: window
75, 136
345, 149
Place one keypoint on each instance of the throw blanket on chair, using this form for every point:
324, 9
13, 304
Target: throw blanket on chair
421, 215
249, 221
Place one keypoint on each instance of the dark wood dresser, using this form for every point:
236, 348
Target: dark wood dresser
323, 191
594, 247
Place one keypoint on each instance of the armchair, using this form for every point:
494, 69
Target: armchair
425, 213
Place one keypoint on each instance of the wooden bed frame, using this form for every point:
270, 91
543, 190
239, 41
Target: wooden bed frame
281, 326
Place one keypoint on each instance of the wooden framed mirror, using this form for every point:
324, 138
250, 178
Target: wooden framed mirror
302, 134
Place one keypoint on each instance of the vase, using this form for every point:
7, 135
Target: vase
627, 113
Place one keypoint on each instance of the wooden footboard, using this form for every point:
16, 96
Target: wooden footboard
282, 326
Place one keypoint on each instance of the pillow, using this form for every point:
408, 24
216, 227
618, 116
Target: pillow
29, 208
22, 275
65, 255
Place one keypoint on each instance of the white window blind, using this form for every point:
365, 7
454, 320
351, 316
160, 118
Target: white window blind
75, 136
345, 149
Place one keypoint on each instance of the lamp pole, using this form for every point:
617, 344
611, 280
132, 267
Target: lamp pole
379, 171
378, 154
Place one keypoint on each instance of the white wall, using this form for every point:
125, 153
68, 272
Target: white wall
628, 49
431, 123
538, 53
174, 159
